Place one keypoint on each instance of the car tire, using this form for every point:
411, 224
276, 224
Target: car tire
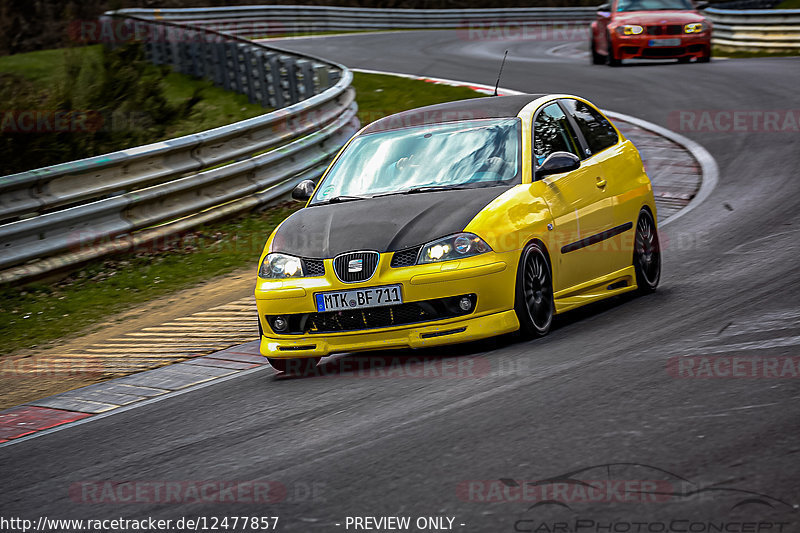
684, 59
534, 303
646, 253
597, 59
611, 61
705, 58
298, 366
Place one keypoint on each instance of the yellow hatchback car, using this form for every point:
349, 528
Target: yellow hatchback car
457, 222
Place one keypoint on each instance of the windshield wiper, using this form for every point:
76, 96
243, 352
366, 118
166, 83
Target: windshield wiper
340, 199
429, 188
424, 188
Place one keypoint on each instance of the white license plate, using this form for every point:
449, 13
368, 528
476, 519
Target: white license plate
665, 42
358, 298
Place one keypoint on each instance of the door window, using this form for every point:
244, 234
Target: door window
553, 133
596, 129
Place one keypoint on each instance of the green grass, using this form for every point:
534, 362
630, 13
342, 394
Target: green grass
42, 312
379, 96
34, 78
217, 108
44, 66
789, 4
727, 52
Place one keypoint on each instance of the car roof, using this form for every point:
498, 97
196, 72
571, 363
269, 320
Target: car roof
472, 109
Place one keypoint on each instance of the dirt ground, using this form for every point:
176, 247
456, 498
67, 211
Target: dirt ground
35, 374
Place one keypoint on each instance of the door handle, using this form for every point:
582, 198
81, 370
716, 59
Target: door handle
601, 183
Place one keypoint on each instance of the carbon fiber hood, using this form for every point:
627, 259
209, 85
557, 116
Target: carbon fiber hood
383, 224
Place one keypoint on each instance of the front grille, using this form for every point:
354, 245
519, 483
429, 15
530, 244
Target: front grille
663, 52
404, 258
669, 29
355, 266
376, 317
313, 267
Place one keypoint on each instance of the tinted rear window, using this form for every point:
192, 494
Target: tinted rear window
596, 128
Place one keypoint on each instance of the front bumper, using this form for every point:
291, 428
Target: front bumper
451, 331
491, 277
640, 47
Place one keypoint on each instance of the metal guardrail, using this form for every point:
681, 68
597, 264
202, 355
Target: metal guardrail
263, 21
65, 214
743, 30
756, 29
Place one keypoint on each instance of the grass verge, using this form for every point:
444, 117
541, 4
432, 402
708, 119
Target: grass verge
44, 312
729, 52
123, 101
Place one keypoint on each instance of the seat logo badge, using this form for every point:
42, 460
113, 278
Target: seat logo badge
355, 265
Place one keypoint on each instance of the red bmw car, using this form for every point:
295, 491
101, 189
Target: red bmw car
650, 29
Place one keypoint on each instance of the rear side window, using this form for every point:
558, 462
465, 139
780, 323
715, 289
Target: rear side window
552, 133
596, 129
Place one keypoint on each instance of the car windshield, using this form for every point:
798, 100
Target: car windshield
653, 5
463, 154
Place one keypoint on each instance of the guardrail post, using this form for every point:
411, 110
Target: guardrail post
173, 54
159, 48
195, 54
321, 80
305, 75
250, 74
231, 72
273, 81
218, 52
334, 76
289, 79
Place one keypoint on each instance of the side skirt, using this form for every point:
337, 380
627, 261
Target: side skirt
597, 289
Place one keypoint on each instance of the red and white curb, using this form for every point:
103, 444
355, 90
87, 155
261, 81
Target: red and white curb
136, 390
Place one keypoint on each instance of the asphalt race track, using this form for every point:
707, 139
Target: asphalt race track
600, 389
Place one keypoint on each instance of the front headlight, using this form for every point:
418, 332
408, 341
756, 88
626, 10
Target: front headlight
452, 247
277, 266
694, 27
631, 29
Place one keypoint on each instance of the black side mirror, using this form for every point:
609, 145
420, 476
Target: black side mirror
604, 7
557, 163
303, 191
700, 5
